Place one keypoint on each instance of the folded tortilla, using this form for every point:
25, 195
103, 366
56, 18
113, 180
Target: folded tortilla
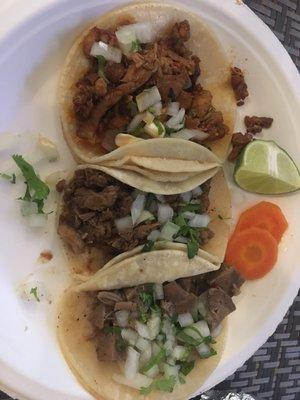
215, 71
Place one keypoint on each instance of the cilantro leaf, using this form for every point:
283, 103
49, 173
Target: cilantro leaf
147, 299
33, 291
10, 178
189, 207
136, 46
148, 246
112, 329
192, 247
155, 360
143, 317
101, 67
183, 337
164, 385
186, 367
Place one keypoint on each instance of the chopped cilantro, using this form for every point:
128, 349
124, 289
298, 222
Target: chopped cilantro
184, 337
139, 130
10, 178
112, 329
180, 220
155, 360
101, 67
121, 344
222, 218
136, 46
36, 190
190, 207
192, 247
148, 246
147, 299
210, 354
160, 127
181, 379
133, 109
33, 291
143, 317
164, 385
186, 367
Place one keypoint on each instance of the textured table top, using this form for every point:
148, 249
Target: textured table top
273, 373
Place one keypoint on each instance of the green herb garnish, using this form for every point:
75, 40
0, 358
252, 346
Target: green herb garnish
164, 385
133, 109
184, 337
101, 68
148, 246
160, 127
186, 367
112, 329
192, 247
136, 46
155, 360
33, 291
121, 344
10, 178
36, 190
189, 207
147, 299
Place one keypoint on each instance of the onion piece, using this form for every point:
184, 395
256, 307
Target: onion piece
126, 37
132, 363
188, 134
181, 239
167, 328
176, 119
108, 52
124, 224
188, 215
179, 352
146, 350
202, 327
171, 370
28, 208
152, 372
169, 346
122, 317
148, 117
148, 98
168, 231
154, 326
216, 332
130, 336
165, 213
197, 191
145, 32
137, 382
159, 291
154, 235
186, 197
155, 129
173, 108
156, 109
199, 221
185, 319
9, 140
142, 330
48, 148
37, 220
204, 350
137, 207
135, 122
201, 308
155, 348
145, 216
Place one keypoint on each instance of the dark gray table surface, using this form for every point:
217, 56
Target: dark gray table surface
273, 373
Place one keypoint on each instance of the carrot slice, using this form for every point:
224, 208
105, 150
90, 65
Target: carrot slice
253, 252
264, 215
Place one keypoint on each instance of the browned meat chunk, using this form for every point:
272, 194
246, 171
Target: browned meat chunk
100, 87
186, 283
84, 101
228, 279
205, 234
124, 205
61, 185
168, 307
201, 103
181, 31
106, 347
185, 99
142, 231
132, 294
71, 237
96, 35
119, 122
98, 316
238, 141
126, 305
114, 72
256, 124
239, 85
86, 198
182, 300
170, 86
219, 305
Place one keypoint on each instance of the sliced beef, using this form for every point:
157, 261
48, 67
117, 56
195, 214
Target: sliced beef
96, 35
87, 198
106, 346
239, 141
205, 234
126, 305
239, 85
71, 237
186, 283
182, 300
256, 124
179, 34
219, 304
114, 72
61, 185
168, 307
228, 279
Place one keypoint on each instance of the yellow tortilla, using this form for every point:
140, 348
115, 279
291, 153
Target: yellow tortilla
215, 69
96, 376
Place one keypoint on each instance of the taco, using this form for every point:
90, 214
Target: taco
141, 340
103, 220
136, 74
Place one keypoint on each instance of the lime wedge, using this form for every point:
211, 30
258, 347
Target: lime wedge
265, 168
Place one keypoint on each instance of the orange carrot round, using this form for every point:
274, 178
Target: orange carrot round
264, 215
253, 252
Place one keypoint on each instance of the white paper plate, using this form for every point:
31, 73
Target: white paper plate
34, 39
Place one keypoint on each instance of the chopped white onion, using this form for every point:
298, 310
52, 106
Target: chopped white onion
37, 220
145, 216
108, 52
159, 291
152, 372
148, 98
145, 32
132, 363
155, 348
179, 352
154, 235
171, 361
168, 231
146, 350
136, 192
178, 127
185, 319
216, 332
137, 382
135, 122
122, 317
148, 117
154, 326
169, 346
167, 328
188, 134
204, 350
48, 148
155, 129
124, 224
156, 109
28, 208
171, 370
137, 207
173, 109
197, 191
186, 197
9, 140
165, 213
199, 221
130, 336
161, 198
181, 239
188, 215
201, 308
176, 119
126, 37
143, 330
202, 327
